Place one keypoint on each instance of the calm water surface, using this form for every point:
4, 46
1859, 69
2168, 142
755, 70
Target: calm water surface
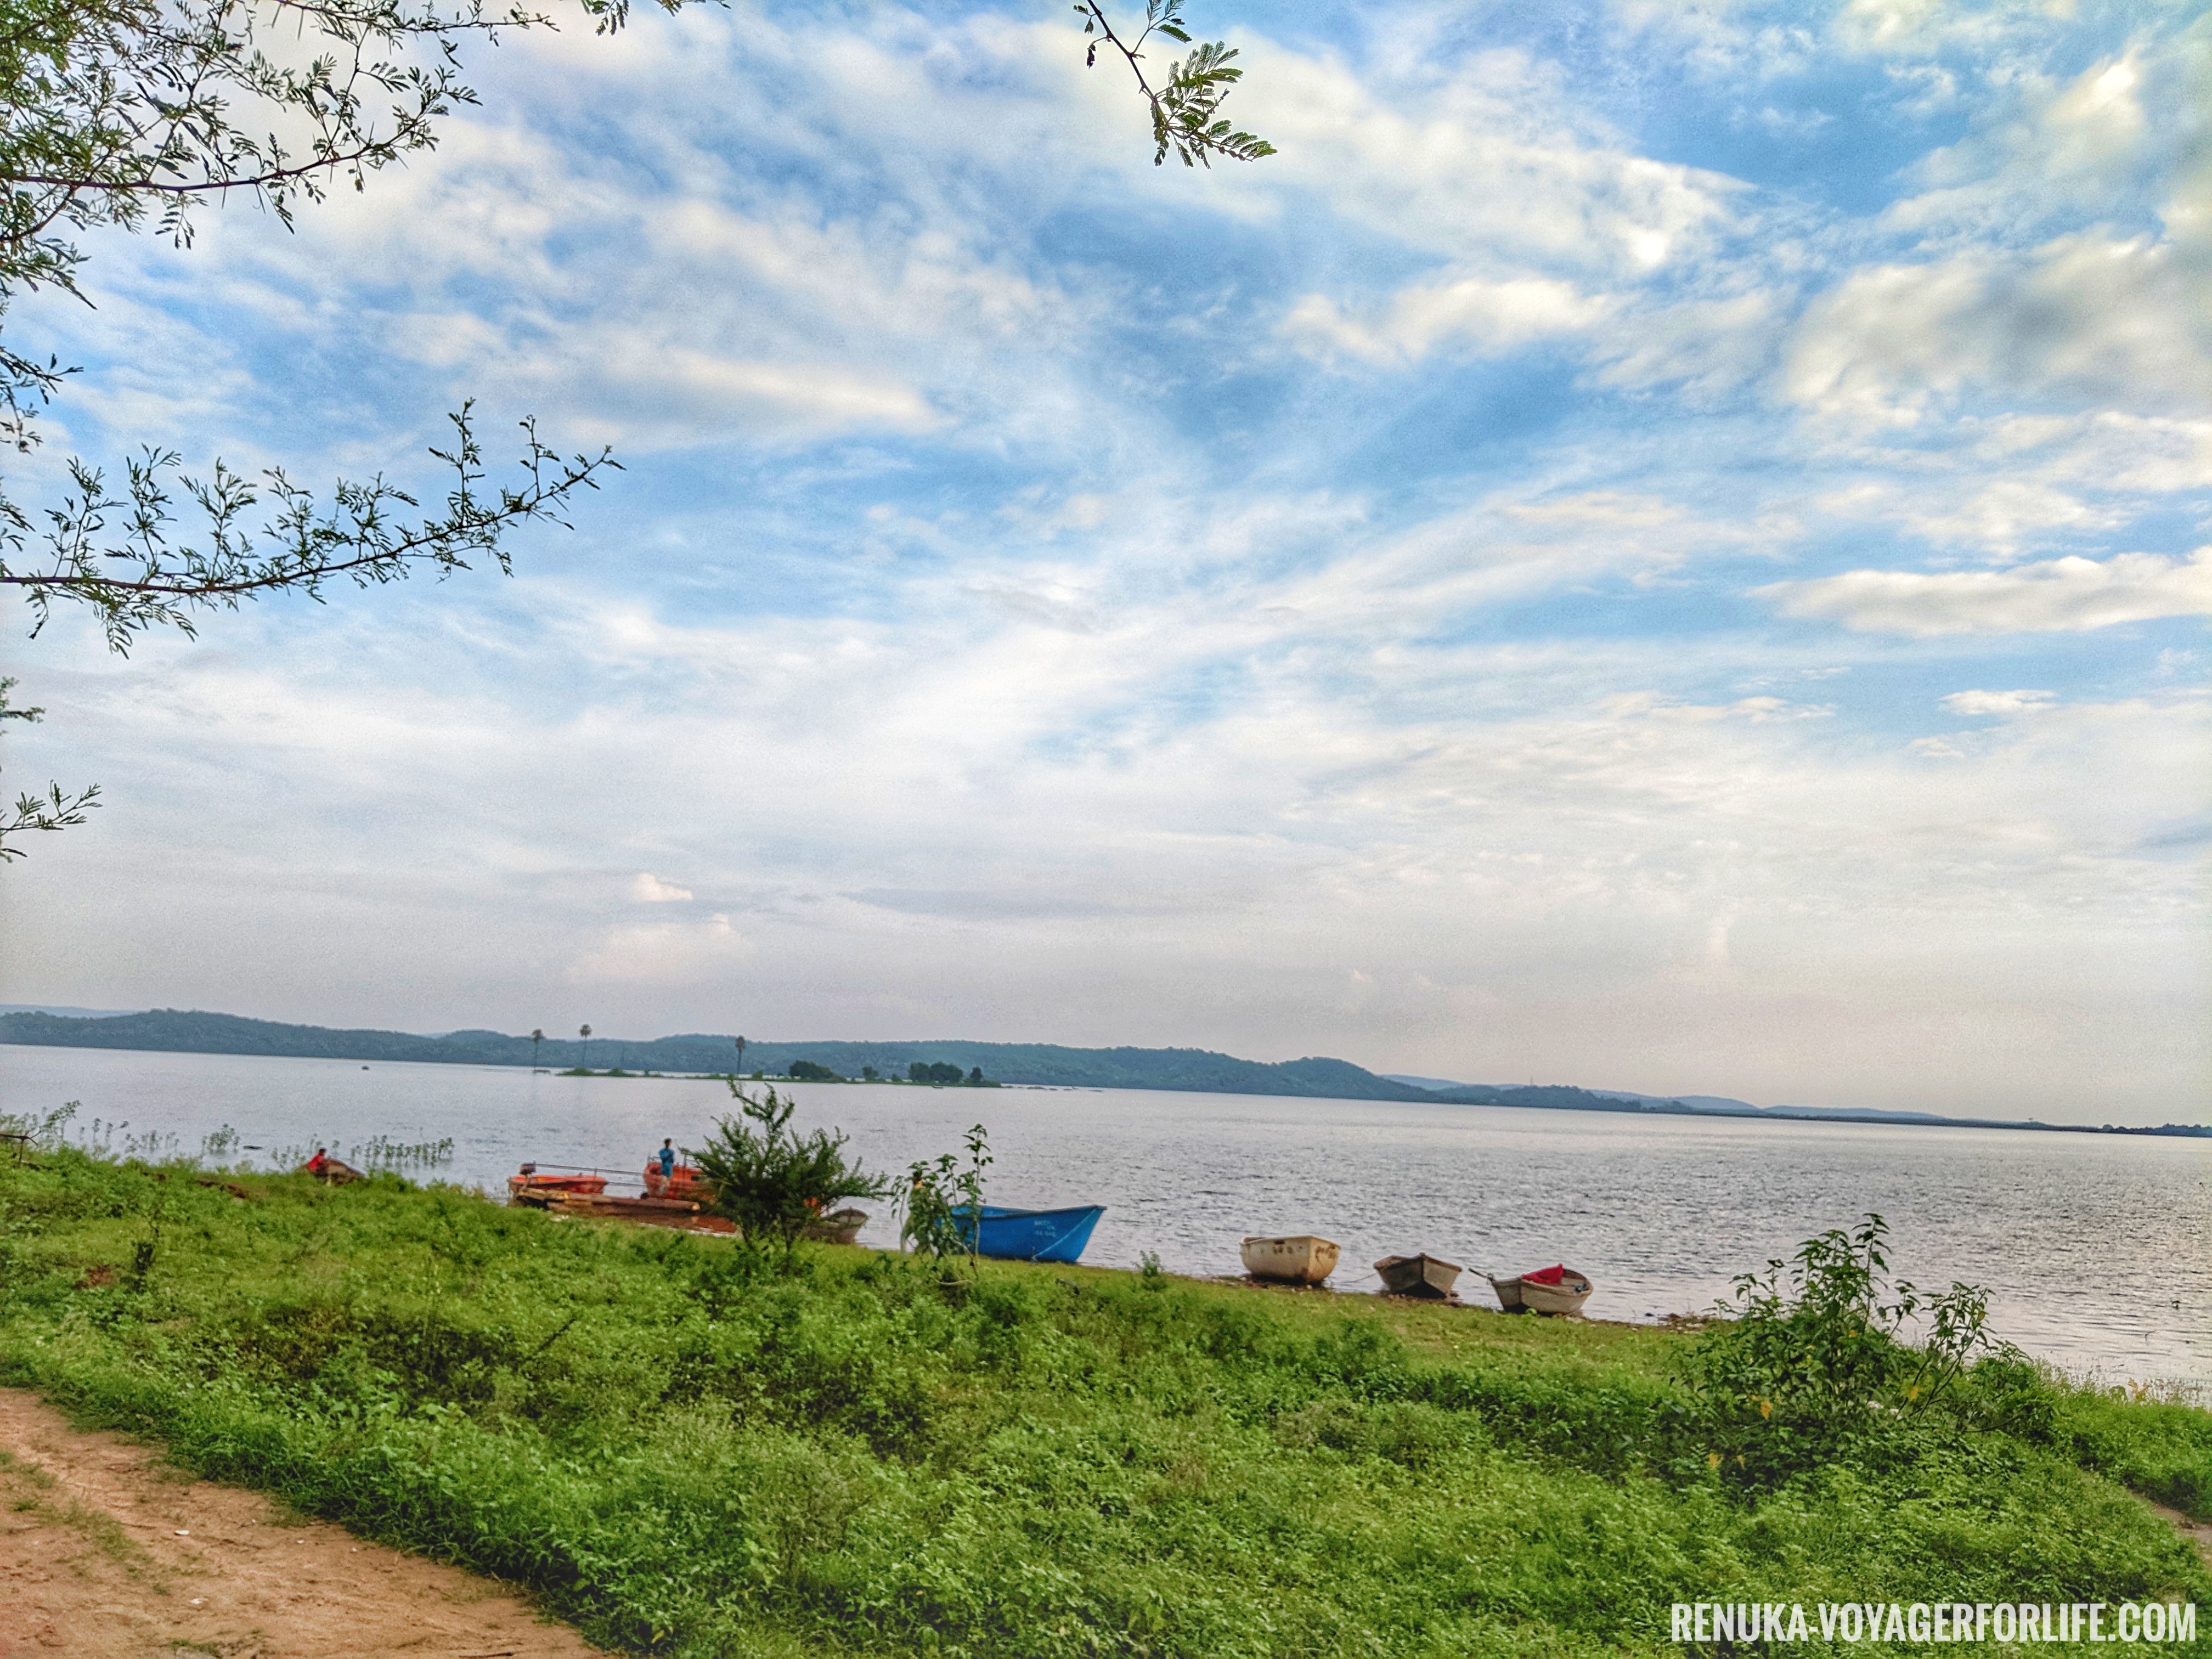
2097, 1250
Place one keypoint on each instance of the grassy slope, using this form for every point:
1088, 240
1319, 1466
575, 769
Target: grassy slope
1046, 1462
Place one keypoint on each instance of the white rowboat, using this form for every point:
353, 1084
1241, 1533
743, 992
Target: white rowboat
1302, 1259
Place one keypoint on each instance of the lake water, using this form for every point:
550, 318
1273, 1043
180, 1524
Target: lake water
2097, 1248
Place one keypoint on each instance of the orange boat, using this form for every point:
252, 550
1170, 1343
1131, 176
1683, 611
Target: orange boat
677, 1202
520, 1187
685, 1183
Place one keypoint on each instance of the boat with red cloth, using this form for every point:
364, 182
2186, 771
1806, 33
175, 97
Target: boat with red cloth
1555, 1290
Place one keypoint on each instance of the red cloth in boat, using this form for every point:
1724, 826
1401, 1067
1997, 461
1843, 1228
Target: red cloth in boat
1546, 1275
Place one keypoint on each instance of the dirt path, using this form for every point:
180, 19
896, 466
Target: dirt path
2197, 1532
107, 1552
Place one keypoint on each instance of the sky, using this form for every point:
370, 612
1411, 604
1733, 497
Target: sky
1655, 547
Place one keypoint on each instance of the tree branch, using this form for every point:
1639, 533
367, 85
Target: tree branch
1186, 111
352, 537
54, 811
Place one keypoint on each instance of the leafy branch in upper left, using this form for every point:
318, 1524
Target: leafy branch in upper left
132, 115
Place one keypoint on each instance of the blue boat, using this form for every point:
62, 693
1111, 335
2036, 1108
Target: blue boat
1037, 1235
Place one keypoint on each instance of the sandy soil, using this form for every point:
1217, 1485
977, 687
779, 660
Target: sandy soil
107, 1552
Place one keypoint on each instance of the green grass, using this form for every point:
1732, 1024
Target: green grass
683, 1455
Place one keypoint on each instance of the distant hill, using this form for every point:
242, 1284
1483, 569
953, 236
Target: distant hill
1187, 1069
1556, 1096
61, 1008
1194, 1070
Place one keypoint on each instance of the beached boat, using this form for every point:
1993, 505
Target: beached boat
683, 1181
1425, 1276
583, 1193
1554, 1289
838, 1227
533, 1180
1301, 1259
1011, 1235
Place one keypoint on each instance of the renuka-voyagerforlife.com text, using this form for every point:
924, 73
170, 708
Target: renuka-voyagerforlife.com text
1939, 1621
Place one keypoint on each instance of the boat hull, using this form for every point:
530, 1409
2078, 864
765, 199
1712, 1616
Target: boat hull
1301, 1259
649, 1211
685, 1183
1011, 1235
1566, 1297
529, 1182
1424, 1276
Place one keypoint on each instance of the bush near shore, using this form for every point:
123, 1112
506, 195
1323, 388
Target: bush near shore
685, 1452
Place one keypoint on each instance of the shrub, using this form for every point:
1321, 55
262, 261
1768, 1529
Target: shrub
1808, 1359
944, 1203
770, 1180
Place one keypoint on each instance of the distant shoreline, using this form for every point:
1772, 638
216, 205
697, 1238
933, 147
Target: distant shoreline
168, 1030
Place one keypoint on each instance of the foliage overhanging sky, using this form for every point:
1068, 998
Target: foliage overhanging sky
1650, 547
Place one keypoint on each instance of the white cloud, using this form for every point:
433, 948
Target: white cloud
1912, 28
1704, 347
2023, 504
2103, 449
1484, 158
1606, 509
1998, 702
1487, 318
2004, 514
662, 954
2060, 149
1889, 25
2059, 595
653, 390
649, 888
2124, 321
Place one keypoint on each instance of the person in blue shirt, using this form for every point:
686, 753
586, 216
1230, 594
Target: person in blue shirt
667, 1156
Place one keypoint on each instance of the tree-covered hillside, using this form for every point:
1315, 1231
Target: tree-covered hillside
179, 1031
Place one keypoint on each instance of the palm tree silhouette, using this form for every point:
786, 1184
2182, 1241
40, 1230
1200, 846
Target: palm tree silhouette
741, 1053
536, 1037
585, 1064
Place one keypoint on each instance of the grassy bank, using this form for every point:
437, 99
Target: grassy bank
684, 1452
